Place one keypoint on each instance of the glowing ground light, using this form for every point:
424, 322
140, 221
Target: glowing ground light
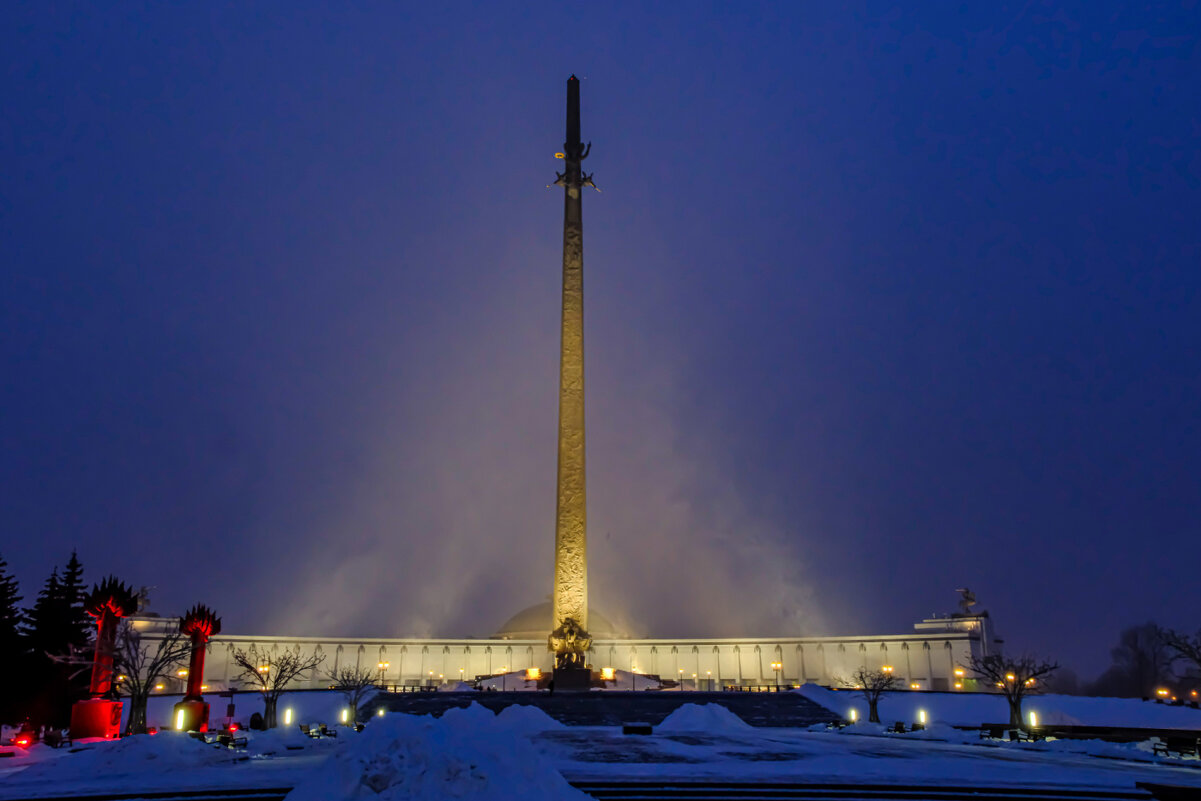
921, 716
179, 719
1033, 720
380, 712
533, 674
607, 674
288, 716
853, 715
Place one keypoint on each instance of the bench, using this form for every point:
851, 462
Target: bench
992, 732
1183, 746
319, 731
636, 728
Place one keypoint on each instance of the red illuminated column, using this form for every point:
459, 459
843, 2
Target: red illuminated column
100, 715
200, 624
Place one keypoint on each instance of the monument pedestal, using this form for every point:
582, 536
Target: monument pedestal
191, 714
96, 717
573, 680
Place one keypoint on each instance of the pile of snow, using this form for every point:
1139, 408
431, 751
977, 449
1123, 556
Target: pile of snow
466, 754
527, 719
703, 717
143, 754
457, 687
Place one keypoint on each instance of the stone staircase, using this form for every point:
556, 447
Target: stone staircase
613, 708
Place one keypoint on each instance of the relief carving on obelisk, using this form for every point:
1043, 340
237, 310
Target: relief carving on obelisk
569, 638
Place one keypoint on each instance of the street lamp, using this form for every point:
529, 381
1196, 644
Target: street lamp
777, 667
681, 672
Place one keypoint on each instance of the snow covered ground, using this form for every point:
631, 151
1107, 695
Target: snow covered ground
973, 709
521, 753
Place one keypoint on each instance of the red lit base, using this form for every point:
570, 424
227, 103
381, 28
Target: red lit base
190, 715
96, 717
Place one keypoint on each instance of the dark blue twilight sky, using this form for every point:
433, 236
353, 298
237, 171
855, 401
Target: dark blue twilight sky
881, 301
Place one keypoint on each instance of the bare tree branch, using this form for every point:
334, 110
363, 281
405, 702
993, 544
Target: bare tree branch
354, 683
271, 674
1015, 677
873, 684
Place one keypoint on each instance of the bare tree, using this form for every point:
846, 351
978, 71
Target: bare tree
271, 674
138, 665
354, 683
1141, 661
873, 684
1014, 677
1184, 649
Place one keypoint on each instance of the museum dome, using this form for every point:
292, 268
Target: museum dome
534, 623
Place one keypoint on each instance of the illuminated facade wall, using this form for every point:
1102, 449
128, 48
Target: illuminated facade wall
928, 657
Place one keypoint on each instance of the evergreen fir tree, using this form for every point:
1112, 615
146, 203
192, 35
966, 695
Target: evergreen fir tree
12, 645
57, 624
44, 623
79, 626
11, 615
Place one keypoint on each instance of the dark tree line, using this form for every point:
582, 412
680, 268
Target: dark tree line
32, 684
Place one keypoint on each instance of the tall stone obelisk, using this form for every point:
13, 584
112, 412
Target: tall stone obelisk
570, 640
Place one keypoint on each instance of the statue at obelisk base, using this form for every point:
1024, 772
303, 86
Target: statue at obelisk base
199, 624
569, 639
100, 714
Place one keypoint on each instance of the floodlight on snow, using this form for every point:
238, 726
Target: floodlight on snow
288, 716
179, 719
921, 716
607, 673
345, 715
380, 712
1033, 719
853, 715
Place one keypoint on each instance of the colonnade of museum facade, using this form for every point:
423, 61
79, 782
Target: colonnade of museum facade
927, 659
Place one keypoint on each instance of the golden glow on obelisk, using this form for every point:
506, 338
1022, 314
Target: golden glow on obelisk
571, 557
